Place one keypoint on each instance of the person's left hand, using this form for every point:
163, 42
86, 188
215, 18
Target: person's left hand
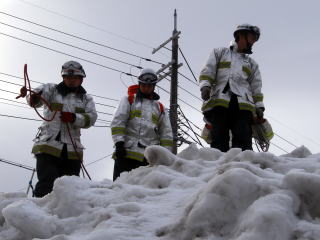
67, 117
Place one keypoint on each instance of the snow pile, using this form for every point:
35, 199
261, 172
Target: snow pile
201, 194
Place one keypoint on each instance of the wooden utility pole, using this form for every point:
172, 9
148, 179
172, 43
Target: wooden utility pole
174, 85
173, 65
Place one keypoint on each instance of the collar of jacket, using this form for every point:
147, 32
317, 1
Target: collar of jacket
152, 96
234, 48
64, 90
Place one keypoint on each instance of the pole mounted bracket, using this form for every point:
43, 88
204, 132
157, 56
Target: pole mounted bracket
169, 40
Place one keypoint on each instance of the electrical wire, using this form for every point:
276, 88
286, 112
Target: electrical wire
186, 90
286, 140
98, 160
97, 103
279, 147
70, 45
51, 49
106, 113
80, 38
13, 101
11, 116
33, 119
180, 99
87, 24
10, 75
10, 104
293, 129
189, 125
16, 164
188, 64
197, 84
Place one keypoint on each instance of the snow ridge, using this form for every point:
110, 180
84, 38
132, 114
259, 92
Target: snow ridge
200, 194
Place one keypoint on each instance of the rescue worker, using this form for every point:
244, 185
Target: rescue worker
230, 85
55, 153
139, 121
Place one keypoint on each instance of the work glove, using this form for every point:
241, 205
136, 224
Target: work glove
35, 98
120, 150
259, 112
205, 93
68, 117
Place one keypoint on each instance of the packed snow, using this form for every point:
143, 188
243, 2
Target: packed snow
200, 194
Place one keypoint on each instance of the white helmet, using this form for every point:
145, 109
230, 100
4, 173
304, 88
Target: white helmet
148, 76
72, 68
249, 28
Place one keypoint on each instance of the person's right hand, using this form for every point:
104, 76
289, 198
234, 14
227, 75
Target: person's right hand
120, 150
34, 99
205, 93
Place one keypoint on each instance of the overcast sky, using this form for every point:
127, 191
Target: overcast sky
287, 55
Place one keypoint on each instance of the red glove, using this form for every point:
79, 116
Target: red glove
68, 117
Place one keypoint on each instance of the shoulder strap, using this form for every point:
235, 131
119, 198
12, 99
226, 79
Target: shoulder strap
161, 107
131, 98
132, 90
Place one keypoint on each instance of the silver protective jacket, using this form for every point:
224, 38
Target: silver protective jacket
139, 125
54, 134
241, 72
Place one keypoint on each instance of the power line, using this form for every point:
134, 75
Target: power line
11, 116
292, 129
279, 147
10, 104
16, 164
186, 91
86, 24
188, 79
285, 140
51, 49
10, 75
179, 99
70, 45
13, 101
83, 39
28, 105
98, 160
187, 64
38, 120
189, 126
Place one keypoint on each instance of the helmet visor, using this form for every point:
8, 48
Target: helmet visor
72, 69
148, 78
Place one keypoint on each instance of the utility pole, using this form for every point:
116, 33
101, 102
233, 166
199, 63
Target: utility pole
174, 86
173, 72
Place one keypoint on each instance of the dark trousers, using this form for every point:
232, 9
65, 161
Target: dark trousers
232, 118
49, 168
126, 165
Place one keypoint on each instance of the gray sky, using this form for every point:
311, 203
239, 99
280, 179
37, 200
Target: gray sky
287, 54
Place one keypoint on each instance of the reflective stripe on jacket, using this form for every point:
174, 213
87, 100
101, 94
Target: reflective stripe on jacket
52, 135
226, 65
139, 125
